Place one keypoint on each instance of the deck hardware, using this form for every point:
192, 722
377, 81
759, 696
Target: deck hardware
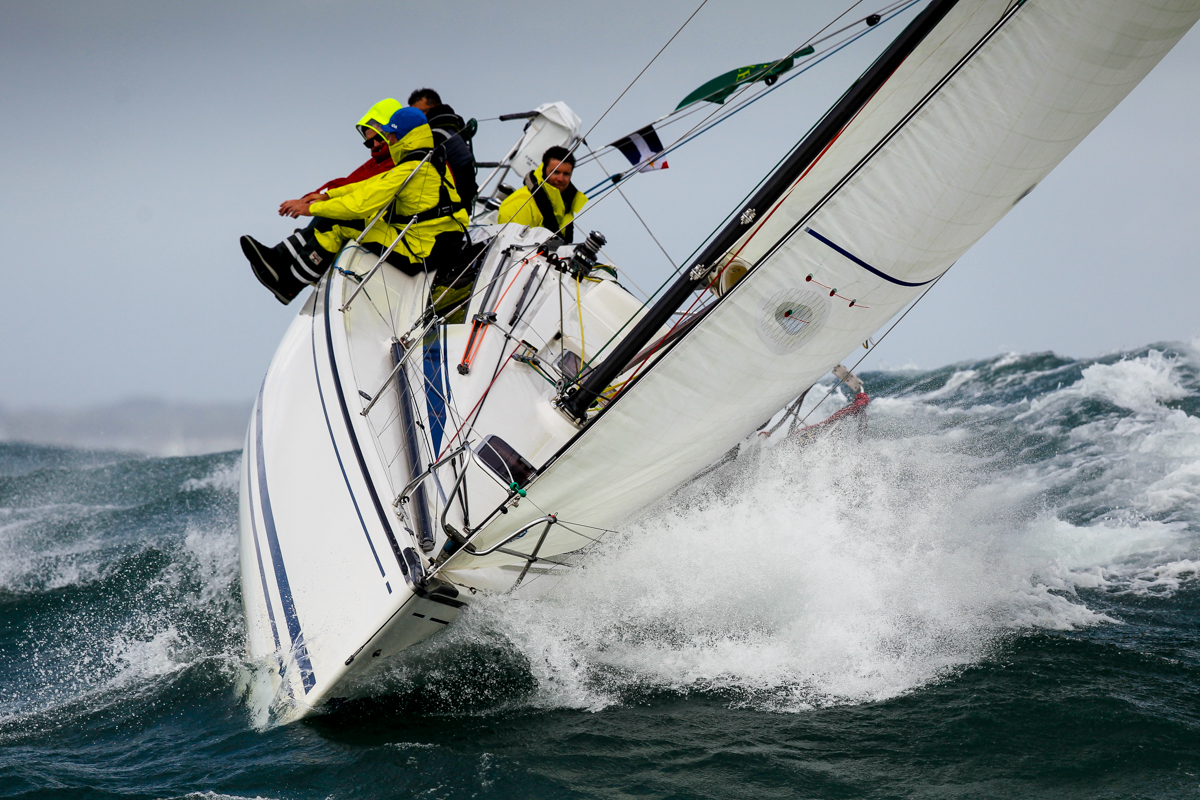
550, 519
533, 555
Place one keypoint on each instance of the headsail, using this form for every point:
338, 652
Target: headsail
992, 97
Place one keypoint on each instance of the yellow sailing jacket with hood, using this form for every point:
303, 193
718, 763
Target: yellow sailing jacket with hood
363, 199
520, 207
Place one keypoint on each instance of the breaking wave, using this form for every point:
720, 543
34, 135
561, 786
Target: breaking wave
110, 603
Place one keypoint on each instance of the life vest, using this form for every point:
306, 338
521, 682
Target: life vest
446, 205
546, 208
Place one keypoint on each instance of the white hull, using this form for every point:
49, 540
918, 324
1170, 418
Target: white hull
324, 587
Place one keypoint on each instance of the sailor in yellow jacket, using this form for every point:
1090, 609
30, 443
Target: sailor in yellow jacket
419, 190
548, 199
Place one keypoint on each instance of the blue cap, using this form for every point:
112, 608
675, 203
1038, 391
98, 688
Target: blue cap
404, 121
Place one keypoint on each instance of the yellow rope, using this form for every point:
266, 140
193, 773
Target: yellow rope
579, 307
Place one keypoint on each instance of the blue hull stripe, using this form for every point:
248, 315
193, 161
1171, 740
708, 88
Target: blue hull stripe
341, 465
262, 573
362, 464
299, 650
862, 263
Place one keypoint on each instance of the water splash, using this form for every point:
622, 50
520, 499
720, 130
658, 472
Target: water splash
852, 571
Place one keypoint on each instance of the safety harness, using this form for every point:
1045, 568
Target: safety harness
546, 209
445, 206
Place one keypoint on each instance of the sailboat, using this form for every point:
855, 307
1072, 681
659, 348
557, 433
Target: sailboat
400, 464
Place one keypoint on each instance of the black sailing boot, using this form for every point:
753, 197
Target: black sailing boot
312, 260
274, 268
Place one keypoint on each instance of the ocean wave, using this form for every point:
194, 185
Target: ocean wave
985, 502
222, 479
109, 604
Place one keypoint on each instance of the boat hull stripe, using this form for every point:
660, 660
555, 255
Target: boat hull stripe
299, 650
362, 464
262, 572
341, 464
862, 263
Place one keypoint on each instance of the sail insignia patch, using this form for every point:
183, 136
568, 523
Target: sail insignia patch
789, 317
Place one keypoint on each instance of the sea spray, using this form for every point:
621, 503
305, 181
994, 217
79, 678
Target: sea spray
119, 603
856, 568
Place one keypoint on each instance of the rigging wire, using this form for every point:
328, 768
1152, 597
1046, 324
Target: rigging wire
613, 104
643, 72
883, 14
679, 114
729, 110
609, 260
636, 214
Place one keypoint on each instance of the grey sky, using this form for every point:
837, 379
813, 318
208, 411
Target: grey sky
139, 140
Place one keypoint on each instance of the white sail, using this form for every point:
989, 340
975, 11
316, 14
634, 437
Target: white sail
989, 102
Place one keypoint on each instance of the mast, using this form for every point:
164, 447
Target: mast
696, 277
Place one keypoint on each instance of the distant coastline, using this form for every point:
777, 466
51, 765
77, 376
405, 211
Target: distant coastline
143, 425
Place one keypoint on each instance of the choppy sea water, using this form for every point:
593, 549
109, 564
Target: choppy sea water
990, 592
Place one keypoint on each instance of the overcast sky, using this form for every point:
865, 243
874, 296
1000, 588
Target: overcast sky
139, 140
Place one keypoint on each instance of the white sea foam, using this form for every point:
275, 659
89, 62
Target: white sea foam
222, 479
89, 662
31, 562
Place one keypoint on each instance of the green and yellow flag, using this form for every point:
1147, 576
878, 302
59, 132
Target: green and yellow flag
720, 87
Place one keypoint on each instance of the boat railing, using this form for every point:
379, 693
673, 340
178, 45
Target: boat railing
402, 498
378, 215
549, 519
371, 272
399, 365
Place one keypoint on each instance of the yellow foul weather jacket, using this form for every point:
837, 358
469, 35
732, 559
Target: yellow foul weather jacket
361, 201
521, 206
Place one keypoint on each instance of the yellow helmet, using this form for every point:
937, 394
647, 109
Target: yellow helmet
377, 116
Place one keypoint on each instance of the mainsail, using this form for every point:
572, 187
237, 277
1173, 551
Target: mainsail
978, 101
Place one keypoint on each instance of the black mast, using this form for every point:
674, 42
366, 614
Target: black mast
805, 153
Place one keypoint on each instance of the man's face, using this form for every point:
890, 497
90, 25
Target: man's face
378, 144
558, 173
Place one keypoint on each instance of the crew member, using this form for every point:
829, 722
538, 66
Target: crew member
448, 130
548, 199
434, 241
379, 162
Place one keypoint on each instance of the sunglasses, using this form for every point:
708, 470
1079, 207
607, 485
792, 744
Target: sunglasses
373, 142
